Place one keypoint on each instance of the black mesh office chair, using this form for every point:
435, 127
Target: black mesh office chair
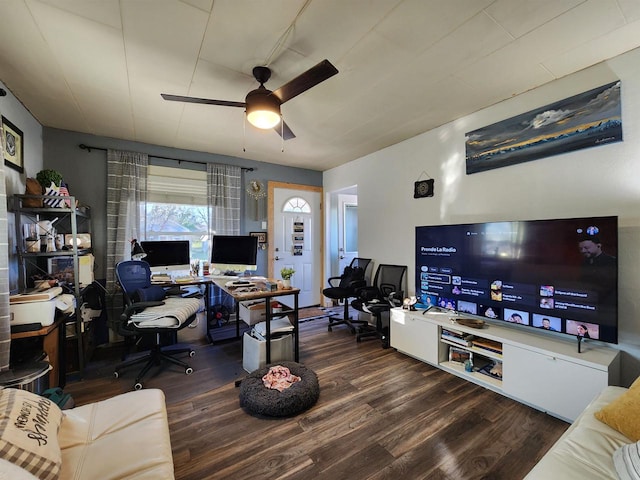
344, 287
387, 291
149, 313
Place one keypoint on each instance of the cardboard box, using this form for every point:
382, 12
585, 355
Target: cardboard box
254, 351
61, 268
254, 311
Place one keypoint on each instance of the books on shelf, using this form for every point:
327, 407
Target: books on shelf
488, 345
463, 339
492, 369
36, 295
160, 278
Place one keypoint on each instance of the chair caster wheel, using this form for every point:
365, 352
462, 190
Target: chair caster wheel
358, 339
188, 371
192, 353
116, 375
137, 386
329, 329
353, 331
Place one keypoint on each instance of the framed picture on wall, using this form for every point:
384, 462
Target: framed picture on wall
13, 145
262, 237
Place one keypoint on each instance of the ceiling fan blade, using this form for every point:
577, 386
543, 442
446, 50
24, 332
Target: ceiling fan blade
305, 81
284, 131
207, 101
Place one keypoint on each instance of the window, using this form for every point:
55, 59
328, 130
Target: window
296, 205
177, 208
351, 228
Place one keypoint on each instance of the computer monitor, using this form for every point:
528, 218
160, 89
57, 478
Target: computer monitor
236, 253
167, 255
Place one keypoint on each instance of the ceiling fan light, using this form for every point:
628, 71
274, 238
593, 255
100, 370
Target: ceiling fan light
264, 119
263, 108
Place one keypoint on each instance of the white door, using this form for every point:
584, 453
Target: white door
295, 229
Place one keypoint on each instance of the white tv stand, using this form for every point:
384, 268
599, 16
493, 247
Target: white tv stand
542, 371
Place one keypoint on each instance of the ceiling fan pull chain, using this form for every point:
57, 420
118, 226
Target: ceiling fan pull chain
244, 132
282, 132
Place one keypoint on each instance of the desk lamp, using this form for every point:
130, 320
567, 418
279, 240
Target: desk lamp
137, 252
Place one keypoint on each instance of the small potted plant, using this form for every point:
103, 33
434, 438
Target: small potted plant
286, 273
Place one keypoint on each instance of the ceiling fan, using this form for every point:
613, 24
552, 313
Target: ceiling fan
262, 106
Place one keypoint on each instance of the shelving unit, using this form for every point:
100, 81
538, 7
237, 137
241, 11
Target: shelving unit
69, 220
543, 371
479, 356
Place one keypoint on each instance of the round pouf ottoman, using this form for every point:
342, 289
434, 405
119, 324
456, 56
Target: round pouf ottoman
257, 399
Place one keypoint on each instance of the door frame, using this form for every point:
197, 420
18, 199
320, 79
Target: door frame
271, 186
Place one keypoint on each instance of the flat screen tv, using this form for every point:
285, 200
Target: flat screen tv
556, 275
167, 255
234, 253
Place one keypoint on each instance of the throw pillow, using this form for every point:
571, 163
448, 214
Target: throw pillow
626, 460
29, 432
623, 414
14, 472
154, 293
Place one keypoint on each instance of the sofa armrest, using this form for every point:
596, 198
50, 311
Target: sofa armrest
585, 450
132, 429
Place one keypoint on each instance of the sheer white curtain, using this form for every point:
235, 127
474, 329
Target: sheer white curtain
126, 198
223, 192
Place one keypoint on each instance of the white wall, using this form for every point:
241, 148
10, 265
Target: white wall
597, 181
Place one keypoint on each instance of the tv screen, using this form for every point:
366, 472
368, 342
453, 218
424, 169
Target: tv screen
556, 275
234, 252
167, 255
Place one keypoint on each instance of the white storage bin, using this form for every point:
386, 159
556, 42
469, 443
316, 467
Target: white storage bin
195, 332
254, 351
252, 312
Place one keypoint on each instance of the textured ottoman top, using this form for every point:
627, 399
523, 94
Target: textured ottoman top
257, 399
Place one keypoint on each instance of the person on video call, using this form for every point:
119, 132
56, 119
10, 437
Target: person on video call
598, 267
546, 325
591, 249
583, 331
515, 318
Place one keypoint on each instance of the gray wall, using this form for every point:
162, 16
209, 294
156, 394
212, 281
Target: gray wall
86, 172
14, 111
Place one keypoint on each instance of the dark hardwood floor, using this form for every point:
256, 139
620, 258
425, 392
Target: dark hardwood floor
381, 415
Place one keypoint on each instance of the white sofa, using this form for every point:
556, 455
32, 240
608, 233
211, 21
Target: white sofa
585, 450
123, 437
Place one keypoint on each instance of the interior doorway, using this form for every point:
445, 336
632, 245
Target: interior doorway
295, 232
342, 229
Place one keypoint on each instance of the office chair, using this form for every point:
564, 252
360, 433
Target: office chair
344, 287
140, 298
387, 291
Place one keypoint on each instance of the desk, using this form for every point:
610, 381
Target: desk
50, 345
266, 295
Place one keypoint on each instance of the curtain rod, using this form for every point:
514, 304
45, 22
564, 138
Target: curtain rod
88, 148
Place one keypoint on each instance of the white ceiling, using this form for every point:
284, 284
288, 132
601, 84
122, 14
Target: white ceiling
406, 66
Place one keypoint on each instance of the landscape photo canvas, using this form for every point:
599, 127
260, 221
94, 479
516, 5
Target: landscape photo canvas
585, 120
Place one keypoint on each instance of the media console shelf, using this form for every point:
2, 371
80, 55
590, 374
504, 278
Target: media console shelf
543, 371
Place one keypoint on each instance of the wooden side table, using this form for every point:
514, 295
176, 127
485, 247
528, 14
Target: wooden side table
51, 345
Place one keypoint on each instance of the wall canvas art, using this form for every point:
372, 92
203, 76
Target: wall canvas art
586, 120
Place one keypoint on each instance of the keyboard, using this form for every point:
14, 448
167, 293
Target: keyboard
240, 283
